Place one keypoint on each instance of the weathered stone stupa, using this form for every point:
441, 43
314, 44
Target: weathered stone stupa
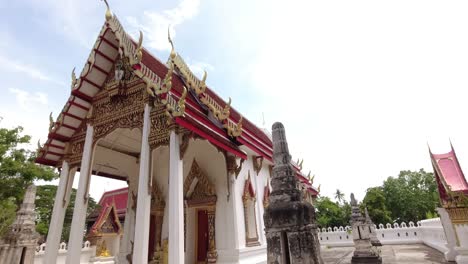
290, 226
373, 234
363, 253
19, 243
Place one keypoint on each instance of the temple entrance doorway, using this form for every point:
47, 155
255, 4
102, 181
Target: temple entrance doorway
202, 236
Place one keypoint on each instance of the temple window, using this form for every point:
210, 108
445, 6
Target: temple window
248, 197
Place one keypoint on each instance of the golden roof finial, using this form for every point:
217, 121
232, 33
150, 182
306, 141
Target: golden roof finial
318, 188
51, 122
202, 86
300, 164
39, 148
238, 128
139, 49
74, 80
108, 12
173, 53
226, 110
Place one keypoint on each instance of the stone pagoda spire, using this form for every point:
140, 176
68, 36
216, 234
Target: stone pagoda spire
290, 226
373, 234
363, 253
19, 243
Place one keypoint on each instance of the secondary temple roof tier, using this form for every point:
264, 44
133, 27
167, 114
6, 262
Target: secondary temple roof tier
228, 133
449, 175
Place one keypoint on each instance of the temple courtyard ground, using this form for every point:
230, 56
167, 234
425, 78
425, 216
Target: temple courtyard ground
401, 254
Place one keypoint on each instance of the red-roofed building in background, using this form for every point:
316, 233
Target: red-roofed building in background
453, 193
161, 129
118, 198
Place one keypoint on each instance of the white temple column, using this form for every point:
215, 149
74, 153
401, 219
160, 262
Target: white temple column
129, 225
176, 202
81, 204
259, 213
449, 234
62, 198
233, 203
142, 223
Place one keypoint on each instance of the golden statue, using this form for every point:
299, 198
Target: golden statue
102, 250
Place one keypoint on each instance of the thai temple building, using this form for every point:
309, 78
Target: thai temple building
453, 192
198, 172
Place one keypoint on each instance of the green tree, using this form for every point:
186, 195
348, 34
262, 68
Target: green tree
331, 214
411, 196
17, 171
45, 197
17, 167
339, 196
7, 215
375, 203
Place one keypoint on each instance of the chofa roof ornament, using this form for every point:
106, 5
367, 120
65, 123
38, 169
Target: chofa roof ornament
108, 12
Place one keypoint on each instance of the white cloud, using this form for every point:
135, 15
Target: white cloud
72, 18
154, 25
27, 100
198, 67
362, 86
8, 64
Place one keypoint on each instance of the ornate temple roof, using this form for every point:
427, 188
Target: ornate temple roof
205, 113
449, 175
117, 197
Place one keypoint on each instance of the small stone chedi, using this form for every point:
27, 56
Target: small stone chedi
373, 234
363, 253
19, 244
290, 227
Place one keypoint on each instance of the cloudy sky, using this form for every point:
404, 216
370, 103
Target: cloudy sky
361, 86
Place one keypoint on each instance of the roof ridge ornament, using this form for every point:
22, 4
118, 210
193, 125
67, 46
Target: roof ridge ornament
173, 53
51, 122
108, 12
39, 148
74, 79
139, 49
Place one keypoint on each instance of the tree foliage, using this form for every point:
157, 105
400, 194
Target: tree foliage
17, 171
374, 201
17, 167
412, 196
329, 213
45, 197
7, 215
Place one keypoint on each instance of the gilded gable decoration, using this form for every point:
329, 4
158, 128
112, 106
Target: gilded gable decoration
197, 187
120, 78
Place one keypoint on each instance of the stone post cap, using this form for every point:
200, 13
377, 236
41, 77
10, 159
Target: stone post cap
280, 145
353, 200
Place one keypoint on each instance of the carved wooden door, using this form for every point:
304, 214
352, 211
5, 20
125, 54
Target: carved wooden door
202, 236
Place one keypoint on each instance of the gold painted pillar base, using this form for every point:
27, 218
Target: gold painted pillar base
212, 255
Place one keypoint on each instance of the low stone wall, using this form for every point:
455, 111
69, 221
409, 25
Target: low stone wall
87, 252
429, 232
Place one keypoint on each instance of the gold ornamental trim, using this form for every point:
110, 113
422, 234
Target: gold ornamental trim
459, 216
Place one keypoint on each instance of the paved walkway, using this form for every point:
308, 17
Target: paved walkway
401, 254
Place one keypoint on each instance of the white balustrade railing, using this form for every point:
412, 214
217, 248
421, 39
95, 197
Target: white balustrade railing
429, 232
87, 252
